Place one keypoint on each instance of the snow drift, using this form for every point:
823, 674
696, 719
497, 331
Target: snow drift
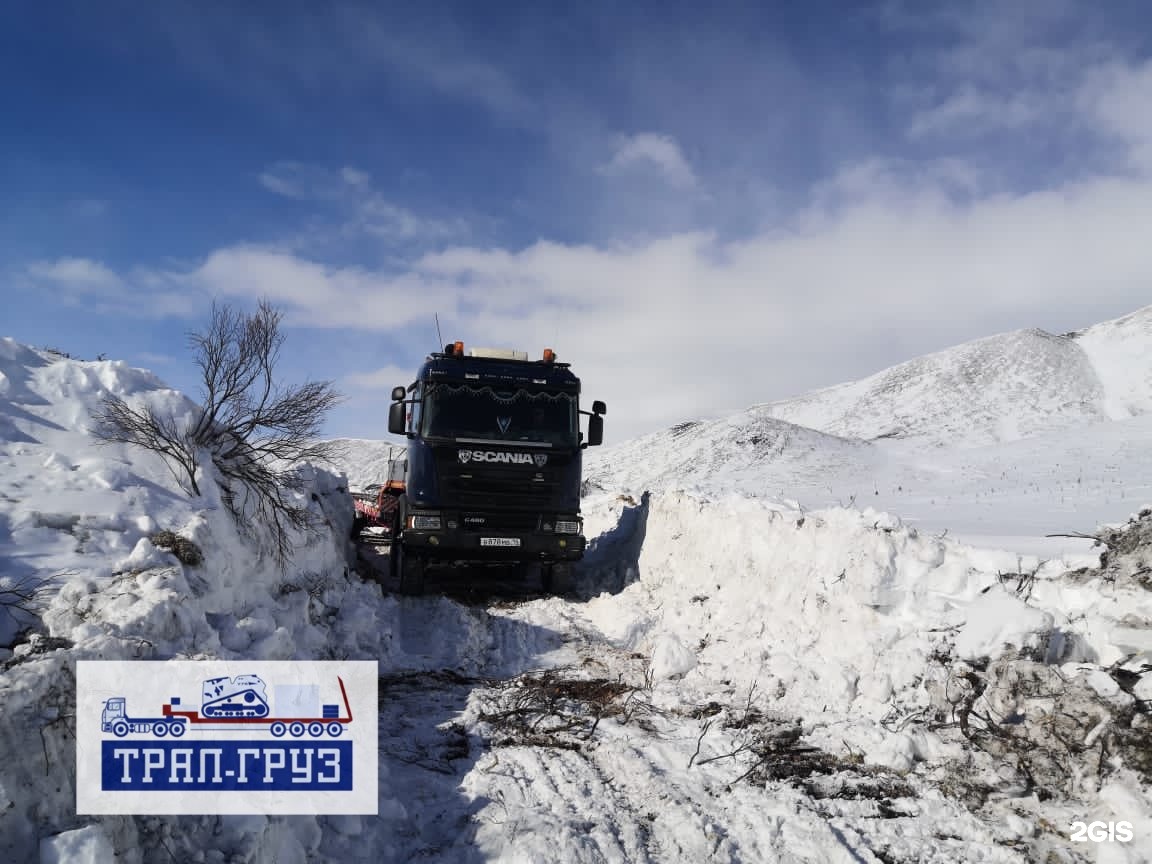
79, 520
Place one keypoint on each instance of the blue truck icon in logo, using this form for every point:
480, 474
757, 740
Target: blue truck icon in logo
239, 704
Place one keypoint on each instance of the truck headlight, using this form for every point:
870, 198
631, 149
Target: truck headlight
425, 521
567, 526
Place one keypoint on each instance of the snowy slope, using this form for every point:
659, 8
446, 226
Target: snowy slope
76, 520
1000, 441
1004, 495
366, 459
750, 451
997, 389
1121, 353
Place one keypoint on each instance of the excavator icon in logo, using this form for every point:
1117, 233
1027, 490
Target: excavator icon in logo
236, 704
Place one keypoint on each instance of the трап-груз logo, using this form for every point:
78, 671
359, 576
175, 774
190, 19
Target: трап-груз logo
259, 737
229, 705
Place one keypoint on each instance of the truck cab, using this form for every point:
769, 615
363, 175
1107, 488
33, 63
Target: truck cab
114, 709
494, 463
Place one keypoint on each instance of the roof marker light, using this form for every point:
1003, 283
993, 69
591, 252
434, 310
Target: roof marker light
549, 355
458, 349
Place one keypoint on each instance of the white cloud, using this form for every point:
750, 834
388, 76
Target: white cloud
383, 219
886, 262
972, 111
310, 182
1118, 96
384, 378
315, 294
686, 324
354, 176
655, 150
80, 274
362, 209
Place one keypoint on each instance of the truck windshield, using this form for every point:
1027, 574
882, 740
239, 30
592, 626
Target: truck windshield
499, 415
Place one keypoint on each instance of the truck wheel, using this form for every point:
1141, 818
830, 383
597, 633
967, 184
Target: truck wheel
409, 570
120, 728
556, 577
177, 729
160, 729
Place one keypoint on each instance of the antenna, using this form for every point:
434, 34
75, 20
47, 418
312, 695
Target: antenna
440, 338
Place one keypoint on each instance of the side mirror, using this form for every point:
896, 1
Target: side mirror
398, 393
595, 430
396, 418
599, 407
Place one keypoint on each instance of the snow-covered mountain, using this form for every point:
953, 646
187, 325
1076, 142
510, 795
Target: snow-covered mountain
1001, 388
748, 451
1001, 441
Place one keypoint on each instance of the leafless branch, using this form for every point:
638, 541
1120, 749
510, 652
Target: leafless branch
253, 431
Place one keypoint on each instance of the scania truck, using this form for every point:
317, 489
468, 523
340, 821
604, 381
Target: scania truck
493, 466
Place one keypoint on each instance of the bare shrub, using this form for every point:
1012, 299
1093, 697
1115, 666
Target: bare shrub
253, 431
552, 709
22, 599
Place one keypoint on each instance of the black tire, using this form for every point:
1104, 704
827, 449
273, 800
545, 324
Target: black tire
407, 569
411, 574
556, 577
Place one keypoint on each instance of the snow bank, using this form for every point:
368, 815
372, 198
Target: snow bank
82, 518
998, 620
896, 645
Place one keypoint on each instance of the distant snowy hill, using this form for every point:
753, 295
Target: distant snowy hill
1002, 441
749, 449
1001, 388
1121, 353
366, 460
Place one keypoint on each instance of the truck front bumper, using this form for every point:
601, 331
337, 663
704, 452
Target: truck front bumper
471, 546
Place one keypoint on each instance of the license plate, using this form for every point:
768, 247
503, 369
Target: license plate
499, 541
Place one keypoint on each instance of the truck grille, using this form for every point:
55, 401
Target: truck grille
506, 491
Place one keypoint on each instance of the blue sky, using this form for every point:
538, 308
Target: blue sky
821, 189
